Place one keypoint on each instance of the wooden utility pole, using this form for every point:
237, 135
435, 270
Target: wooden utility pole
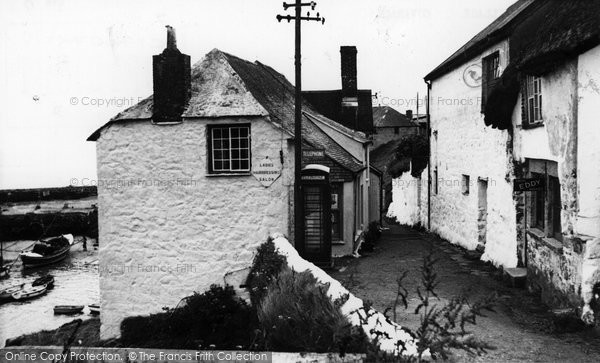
298, 225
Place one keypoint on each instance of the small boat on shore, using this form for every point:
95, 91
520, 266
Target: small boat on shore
29, 292
68, 309
48, 251
94, 309
26, 291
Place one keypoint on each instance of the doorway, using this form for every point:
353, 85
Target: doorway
482, 212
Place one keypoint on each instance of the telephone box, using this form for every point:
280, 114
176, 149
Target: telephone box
316, 209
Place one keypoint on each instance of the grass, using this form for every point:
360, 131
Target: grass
88, 335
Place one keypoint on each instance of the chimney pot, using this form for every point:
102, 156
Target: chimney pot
171, 38
171, 81
409, 114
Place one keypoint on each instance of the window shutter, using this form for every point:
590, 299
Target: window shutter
524, 117
484, 83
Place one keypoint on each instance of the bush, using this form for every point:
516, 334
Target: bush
266, 266
216, 317
298, 316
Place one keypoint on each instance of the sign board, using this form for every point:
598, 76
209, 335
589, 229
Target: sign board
313, 177
528, 184
266, 172
316, 154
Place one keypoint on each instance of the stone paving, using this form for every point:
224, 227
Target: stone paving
521, 328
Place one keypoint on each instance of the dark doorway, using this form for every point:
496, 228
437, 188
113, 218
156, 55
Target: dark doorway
482, 189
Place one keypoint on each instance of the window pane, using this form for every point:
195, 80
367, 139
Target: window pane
235, 154
244, 143
235, 143
245, 165
226, 165
216, 133
235, 132
218, 155
217, 165
244, 154
244, 132
235, 165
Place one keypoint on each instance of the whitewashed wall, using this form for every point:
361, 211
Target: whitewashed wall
588, 133
466, 146
405, 208
160, 242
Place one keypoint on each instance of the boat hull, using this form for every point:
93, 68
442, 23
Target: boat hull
68, 309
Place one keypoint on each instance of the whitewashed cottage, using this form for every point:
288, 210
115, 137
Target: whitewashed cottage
514, 147
195, 177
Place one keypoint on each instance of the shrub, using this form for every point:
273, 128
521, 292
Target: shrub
412, 149
216, 317
297, 315
266, 266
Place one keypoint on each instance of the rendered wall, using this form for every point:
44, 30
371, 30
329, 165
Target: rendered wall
167, 228
466, 146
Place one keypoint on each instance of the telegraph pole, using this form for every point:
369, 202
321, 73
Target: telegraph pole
298, 224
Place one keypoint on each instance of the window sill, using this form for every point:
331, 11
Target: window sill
227, 174
528, 126
338, 243
552, 243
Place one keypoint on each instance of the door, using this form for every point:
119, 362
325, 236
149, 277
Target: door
482, 187
317, 226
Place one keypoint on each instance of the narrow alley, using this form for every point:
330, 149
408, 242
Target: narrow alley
521, 328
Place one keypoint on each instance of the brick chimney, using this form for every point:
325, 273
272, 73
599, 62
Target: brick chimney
409, 114
172, 81
348, 58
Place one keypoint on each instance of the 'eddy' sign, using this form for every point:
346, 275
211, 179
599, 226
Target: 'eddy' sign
528, 184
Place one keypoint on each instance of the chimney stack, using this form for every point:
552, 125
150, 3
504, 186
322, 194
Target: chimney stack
409, 114
172, 81
348, 58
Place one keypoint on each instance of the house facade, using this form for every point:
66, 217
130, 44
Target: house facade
192, 179
390, 125
514, 170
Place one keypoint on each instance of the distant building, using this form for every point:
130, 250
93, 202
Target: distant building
195, 177
390, 124
514, 147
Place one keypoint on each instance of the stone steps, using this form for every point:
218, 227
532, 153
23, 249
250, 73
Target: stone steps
516, 276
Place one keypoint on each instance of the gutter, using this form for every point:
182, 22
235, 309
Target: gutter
429, 163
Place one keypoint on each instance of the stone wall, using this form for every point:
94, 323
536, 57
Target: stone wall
461, 144
167, 227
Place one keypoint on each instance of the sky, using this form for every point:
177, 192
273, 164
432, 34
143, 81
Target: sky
67, 67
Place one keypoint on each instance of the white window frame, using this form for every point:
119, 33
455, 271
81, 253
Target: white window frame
228, 138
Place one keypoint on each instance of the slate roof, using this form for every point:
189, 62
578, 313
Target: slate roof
224, 85
385, 116
489, 35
